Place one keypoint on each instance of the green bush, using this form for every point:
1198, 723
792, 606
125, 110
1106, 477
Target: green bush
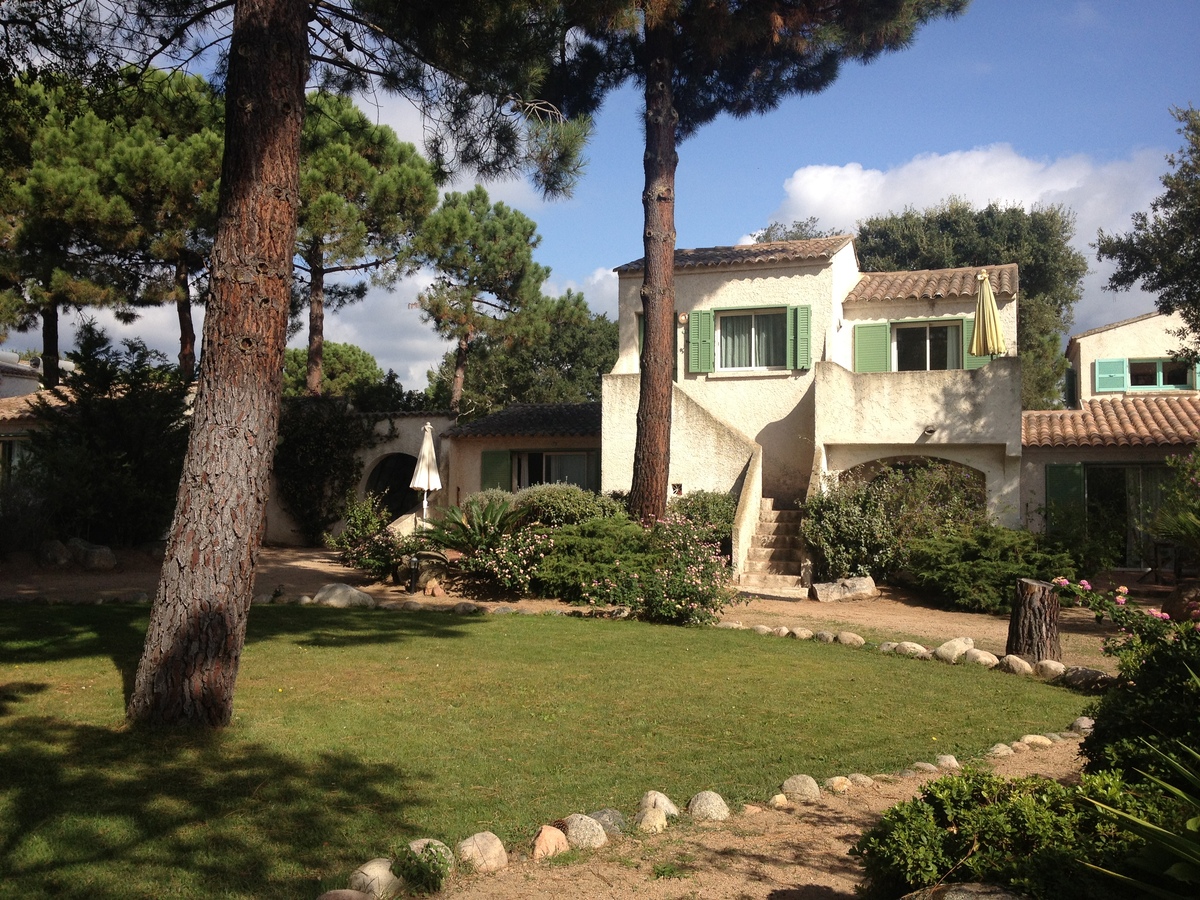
667, 573
977, 568
711, 510
1027, 833
365, 542
424, 872
868, 525
474, 526
1155, 704
562, 504
106, 460
316, 460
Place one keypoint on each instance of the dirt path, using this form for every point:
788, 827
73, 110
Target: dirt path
799, 854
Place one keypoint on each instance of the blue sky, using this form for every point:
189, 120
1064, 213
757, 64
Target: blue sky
1028, 101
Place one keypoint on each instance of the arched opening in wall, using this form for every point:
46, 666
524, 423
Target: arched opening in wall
389, 479
944, 488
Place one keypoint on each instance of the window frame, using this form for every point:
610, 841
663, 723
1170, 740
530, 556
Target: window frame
954, 342
1115, 375
754, 313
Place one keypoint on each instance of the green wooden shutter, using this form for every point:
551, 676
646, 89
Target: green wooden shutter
1110, 375
969, 361
495, 470
799, 337
872, 347
701, 340
1066, 505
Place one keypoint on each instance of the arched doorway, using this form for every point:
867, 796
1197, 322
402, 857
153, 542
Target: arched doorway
389, 479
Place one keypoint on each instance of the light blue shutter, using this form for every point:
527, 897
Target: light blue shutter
872, 347
1110, 375
799, 337
701, 335
969, 361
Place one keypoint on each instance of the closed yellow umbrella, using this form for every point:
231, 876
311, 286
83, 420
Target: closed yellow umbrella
425, 475
986, 340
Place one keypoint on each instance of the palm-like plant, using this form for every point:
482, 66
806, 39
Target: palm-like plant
474, 526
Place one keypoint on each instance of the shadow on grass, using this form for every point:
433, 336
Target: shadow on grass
100, 813
34, 633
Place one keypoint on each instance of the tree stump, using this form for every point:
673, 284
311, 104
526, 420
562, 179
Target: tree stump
1033, 626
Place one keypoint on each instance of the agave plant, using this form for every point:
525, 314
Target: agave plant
475, 525
1179, 850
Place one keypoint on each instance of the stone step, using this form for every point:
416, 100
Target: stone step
777, 540
780, 515
764, 582
776, 554
786, 529
774, 567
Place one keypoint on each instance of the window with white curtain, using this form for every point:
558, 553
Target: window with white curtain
752, 340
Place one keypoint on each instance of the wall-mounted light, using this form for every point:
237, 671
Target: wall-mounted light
930, 429
682, 318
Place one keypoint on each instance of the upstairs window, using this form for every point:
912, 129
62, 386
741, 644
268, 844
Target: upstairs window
753, 341
927, 347
1143, 375
746, 340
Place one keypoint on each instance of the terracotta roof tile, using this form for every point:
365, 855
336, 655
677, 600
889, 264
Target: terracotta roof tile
750, 254
932, 284
1152, 421
534, 420
19, 409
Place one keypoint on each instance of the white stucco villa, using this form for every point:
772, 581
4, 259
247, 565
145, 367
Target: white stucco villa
793, 365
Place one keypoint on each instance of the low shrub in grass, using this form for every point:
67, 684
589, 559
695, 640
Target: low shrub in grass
667, 573
1027, 833
475, 526
711, 510
562, 504
976, 568
365, 542
868, 525
1154, 707
424, 871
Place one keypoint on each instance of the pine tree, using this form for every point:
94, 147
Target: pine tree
363, 195
695, 60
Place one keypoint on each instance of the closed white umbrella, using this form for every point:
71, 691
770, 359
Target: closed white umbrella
425, 475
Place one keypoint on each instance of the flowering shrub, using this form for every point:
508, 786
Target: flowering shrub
1156, 702
514, 559
365, 542
666, 573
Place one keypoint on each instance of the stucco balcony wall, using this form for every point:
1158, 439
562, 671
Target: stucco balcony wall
969, 417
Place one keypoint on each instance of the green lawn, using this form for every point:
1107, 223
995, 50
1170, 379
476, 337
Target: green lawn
355, 730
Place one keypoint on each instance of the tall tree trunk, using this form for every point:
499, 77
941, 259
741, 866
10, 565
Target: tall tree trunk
1033, 625
189, 665
187, 331
460, 372
652, 446
316, 323
50, 345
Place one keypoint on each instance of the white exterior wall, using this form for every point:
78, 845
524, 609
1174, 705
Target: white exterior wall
465, 458
969, 417
812, 422
406, 435
771, 408
1147, 337
1035, 459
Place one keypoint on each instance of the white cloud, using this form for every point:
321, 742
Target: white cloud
1103, 195
599, 289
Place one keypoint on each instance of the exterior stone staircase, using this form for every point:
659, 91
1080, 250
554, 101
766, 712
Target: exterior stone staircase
777, 563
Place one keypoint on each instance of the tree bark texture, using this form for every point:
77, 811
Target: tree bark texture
460, 372
197, 628
1033, 626
50, 370
316, 323
187, 330
652, 446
